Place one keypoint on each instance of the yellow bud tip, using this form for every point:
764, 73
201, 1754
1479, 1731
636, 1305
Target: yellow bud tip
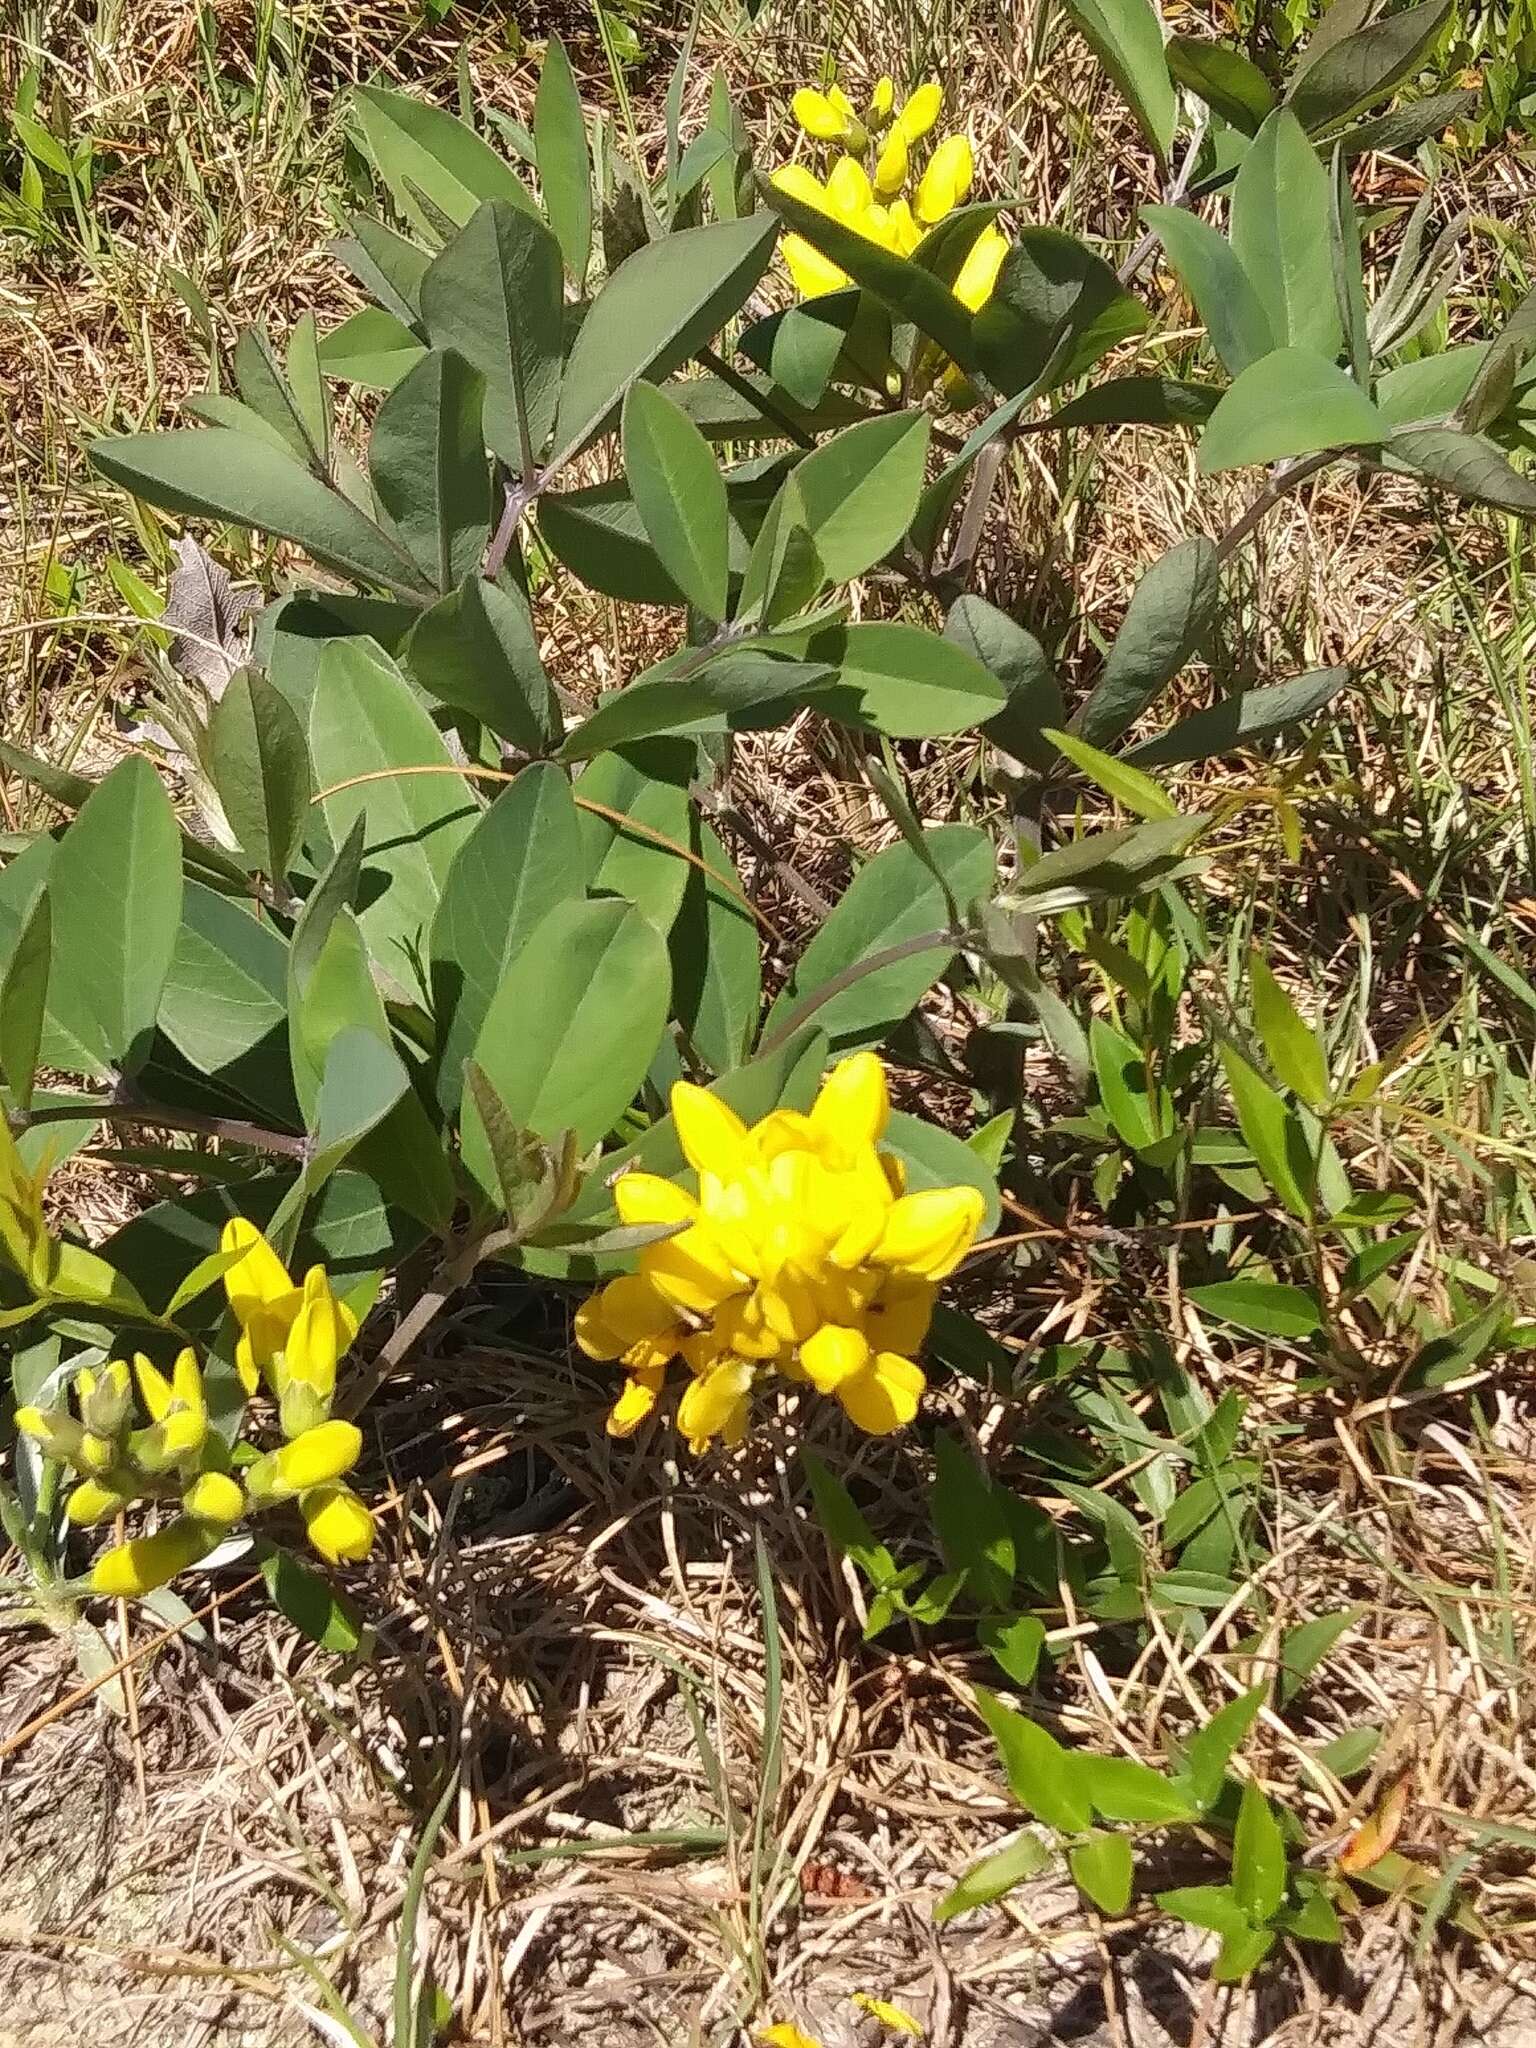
929, 1233
91, 1502
891, 165
947, 180
214, 1497
819, 114
33, 1422
853, 1104
881, 101
783, 2034
979, 272
258, 1277
849, 192
156, 1391
921, 110
340, 1526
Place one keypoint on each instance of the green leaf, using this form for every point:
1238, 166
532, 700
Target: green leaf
936, 1158
1280, 213
362, 1082
657, 308
426, 462
974, 1532
1228, 302
1245, 720
740, 691
1044, 1778
717, 986
573, 1026
844, 1525
680, 495
1291, 403
221, 473
1314, 1917
1172, 610
1128, 786
432, 163
476, 651
1224, 78
856, 494
630, 844
494, 297
1122, 862
902, 680
1127, 38
1209, 1752
994, 1877
1429, 387
1293, 1049
1467, 464
1103, 1869
260, 768
1447, 1357
24, 999
565, 168
224, 1005
1056, 308
1258, 1856
365, 721
1242, 1951
115, 897
389, 266
522, 860
372, 348
1123, 1789
893, 898
1273, 1134
267, 392
1206, 1905
1014, 1644
1138, 1110
1304, 1647
1265, 1307
314, 1607
1362, 68
910, 292
1141, 401
1015, 657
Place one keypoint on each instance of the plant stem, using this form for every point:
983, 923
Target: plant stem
257, 1136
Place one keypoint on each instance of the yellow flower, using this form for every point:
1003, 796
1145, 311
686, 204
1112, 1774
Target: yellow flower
316, 1458
887, 2014
292, 1334
891, 165
947, 180
799, 1257
881, 101
783, 2035
921, 110
214, 1497
879, 1390
339, 1525
178, 1410
978, 273
904, 231
828, 116
105, 1398
849, 192
129, 1569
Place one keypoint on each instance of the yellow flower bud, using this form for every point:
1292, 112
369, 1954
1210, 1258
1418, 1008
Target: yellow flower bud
828, 116
105, 1397
636, 1402
318, 1457
717, 1404
97, 1454
881, 101
891, 165
712, 1136
978, 273
263, 1297
833, 1355
340, 1526
812, 273
214, 1497
921, 111
801, 184
947, 180
155, 1390
92, 1502
849, 192
59, 1434
853, 1104
129, 1569
321, 1332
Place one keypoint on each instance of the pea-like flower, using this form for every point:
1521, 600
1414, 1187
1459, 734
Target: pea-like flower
291, 1335
801, 1256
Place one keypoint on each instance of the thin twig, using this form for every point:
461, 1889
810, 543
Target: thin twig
237, 1132
1279, 486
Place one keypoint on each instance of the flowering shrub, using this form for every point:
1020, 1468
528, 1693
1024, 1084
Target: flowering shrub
800, 1256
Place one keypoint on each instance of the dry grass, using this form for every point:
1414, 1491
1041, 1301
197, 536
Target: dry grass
579, 1629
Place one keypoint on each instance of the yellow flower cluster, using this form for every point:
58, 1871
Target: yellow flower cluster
801, 1256
293, 1336
871, 198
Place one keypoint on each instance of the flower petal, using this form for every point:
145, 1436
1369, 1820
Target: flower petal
884, 1396
929, 1233
834, 1355
636, 1402
853, 1103
921, 110
712, 1135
